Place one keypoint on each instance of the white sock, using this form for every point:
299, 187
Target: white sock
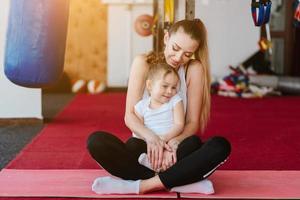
143, 160
109, 185
205, 187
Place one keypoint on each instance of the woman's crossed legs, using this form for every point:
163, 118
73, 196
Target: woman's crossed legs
195, 160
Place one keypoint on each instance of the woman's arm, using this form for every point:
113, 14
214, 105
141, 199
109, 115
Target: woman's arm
194, 92
135, 92
178, 118
136, 85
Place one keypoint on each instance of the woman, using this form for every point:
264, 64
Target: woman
194, 160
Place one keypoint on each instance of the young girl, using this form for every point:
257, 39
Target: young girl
162, 111
186, 51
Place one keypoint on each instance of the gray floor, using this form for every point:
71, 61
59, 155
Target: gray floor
14, 135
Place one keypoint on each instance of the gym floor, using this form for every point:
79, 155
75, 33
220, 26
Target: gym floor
15, 134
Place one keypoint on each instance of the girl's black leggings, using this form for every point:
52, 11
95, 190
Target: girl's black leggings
195, 160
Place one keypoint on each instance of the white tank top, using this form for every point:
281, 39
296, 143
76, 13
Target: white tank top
181, 90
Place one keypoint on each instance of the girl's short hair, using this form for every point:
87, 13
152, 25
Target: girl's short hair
161, 70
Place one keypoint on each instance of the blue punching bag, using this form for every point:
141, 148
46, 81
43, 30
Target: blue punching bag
35, 42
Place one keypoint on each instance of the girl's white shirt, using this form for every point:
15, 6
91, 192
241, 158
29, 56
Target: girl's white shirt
159, 120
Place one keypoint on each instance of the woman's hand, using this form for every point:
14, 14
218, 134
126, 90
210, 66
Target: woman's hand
173, 144
155, 149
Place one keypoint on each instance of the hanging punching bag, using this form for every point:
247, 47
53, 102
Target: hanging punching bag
35, 41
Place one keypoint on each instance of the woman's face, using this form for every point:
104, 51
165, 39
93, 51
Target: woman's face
179, 48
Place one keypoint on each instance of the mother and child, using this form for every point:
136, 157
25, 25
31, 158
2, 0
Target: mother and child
168, 102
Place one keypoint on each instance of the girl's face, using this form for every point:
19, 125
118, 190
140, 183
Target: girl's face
179, 48
163, 89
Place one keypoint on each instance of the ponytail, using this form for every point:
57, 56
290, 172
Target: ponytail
197, 31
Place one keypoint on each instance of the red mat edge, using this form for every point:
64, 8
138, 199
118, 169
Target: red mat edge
174, 195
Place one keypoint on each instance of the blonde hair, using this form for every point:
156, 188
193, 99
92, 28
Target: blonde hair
197, 31
160, 70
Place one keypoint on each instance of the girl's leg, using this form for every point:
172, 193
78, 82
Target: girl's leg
117, 158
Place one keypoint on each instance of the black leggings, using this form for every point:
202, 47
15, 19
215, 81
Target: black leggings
195, 160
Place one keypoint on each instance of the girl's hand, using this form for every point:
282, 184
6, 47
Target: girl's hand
155, 149
173, 144
168, 160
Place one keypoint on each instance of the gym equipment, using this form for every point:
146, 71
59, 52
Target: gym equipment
168, 14
190, 9
158, 26
164, 13
285, 84
143, 25
79, 86
95, 86
261, 11
265, 43
259, 63
35, 44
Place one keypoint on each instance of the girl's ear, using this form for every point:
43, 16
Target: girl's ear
166, 37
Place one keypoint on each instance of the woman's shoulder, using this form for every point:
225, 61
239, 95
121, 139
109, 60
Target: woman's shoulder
194, 68
141, 58
194, 64
140, 62
139, 70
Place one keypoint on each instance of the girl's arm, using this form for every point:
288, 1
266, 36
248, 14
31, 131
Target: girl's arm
169, 157
139, 116
194, 93
135, 92
178, 117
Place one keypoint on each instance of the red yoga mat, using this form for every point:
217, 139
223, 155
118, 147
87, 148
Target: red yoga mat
253, 184
232, 184
59, 183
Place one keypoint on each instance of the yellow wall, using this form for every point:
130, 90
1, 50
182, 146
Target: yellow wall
86, 49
